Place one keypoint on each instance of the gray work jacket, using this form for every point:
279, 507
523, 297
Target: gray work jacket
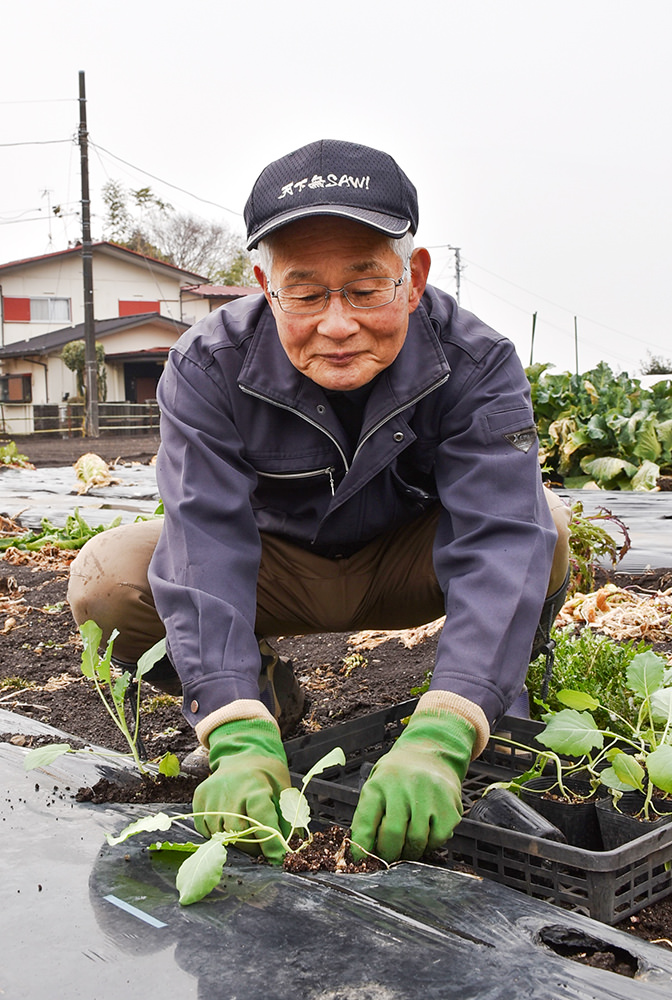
250, 444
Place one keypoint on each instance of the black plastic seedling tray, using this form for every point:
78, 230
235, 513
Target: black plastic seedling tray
605, 885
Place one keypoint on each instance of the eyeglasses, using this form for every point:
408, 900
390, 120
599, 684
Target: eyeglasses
364, 293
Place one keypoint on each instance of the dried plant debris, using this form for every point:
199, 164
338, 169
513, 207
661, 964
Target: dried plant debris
620, 613
408, 637
93, 471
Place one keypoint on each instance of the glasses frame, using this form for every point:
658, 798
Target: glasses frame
328, 292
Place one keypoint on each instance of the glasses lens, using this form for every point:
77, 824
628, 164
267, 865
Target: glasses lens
305, 299
368, 293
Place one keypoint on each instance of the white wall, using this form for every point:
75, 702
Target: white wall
113, 280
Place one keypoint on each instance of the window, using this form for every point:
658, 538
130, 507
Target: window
16, 389
134, 308
45, 309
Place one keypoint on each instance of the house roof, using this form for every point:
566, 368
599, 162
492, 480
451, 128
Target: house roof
111, 250
47, 343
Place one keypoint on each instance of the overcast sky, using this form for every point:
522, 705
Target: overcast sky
537, 133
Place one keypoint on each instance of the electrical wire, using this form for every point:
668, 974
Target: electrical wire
37, 142
175, 187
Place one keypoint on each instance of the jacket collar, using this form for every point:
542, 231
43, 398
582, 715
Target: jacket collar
268, 372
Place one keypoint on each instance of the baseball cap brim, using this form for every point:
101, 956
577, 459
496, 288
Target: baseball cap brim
388, 225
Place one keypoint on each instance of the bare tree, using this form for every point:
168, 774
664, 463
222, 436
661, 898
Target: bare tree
140, 221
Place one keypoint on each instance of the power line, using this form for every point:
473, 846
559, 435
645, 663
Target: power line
36, 142
162, 181
557, 305
52, 100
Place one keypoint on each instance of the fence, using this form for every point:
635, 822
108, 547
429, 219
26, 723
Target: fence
67, 419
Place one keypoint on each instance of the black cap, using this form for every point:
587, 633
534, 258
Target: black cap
331, 177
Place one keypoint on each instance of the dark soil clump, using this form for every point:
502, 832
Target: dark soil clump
141, 790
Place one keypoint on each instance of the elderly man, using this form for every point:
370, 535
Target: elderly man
347, 450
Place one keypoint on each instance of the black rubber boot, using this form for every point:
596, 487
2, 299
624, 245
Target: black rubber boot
543, 643
279, 689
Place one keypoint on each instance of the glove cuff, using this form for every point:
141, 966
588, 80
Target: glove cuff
235, 711
447, 703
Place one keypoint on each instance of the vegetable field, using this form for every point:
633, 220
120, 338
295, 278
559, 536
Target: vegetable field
603, 427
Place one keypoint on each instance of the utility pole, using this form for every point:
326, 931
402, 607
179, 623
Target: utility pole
534, 326
576, 345
90, 361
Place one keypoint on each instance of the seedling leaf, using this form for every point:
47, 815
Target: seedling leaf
578, 700
169, 765
645, 673
661, 705
201, 872
150, 658
571, 732
294, 808
119, 688
103, 665
331, 759
659, 764
91, 635
147, 824
629, 771
168, 845
42, 756
609, 778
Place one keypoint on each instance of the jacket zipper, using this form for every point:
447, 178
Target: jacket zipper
329, 471
313, 423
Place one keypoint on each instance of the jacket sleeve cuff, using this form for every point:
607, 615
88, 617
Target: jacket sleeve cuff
438, 702
243, 708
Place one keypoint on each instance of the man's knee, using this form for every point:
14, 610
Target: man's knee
562, 516
108, 584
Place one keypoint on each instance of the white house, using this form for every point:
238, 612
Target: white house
141, 307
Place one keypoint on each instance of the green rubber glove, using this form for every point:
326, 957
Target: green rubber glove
412, 801
249, 770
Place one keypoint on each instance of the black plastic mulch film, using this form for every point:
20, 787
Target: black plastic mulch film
606, 885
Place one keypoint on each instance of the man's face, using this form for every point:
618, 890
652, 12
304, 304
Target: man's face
341, 347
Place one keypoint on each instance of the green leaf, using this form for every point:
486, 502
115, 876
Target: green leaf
150, 658
331, 759
647, 446
202, 871
169, 765
577, 699
104, 662
646, 477
570, 732
43, 756
629, 771
147, 824
168, 845
659, 766
609, 778
294, 808
607, 469
645, 673
664, 434
119, 688
91, 635
660, 704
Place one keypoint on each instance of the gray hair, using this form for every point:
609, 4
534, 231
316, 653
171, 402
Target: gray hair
402, 247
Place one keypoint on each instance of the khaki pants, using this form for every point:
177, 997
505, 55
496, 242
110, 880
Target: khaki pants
389, 584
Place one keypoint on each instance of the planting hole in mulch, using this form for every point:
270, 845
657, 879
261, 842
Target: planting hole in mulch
329, 850
587, 950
